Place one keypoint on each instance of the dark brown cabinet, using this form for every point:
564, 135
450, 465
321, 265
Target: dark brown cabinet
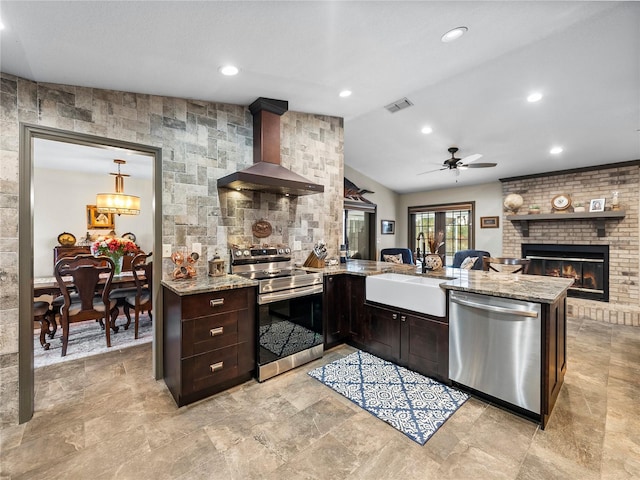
344, 310
335, 310
209, 342
357, 311
417, 342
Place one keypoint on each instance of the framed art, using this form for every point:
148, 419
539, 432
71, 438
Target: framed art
99, 220
388, 227
596, 205
489, 222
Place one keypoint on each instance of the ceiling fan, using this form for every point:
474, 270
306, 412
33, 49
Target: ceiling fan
454, 163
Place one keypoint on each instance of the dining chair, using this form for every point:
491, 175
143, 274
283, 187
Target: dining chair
142, 300
407, 256
522, 264
461, 255
89, 299
42, 314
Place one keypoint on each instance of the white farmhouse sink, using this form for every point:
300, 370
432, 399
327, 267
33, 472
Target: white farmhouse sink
418, 294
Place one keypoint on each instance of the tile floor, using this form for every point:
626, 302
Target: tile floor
104, 417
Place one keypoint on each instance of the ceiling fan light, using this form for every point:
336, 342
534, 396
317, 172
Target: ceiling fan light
453, 34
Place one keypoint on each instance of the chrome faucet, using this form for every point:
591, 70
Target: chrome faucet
424, 253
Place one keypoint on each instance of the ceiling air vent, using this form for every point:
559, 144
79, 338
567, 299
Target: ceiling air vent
398, 105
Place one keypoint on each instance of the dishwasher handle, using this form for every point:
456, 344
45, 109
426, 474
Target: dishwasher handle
494, 308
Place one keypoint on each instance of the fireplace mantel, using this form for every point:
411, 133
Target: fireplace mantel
597, 217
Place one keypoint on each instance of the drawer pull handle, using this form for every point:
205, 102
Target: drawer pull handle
216, 302
216, 366
394, 316
216, 331
403, 318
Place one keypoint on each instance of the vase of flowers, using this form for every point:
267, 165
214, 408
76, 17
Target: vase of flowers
433, 260
114, 248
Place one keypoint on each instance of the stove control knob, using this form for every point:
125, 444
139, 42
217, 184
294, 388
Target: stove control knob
246, 253
287, 250
238, 253
280, 251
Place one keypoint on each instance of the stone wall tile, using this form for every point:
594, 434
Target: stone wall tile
201, 141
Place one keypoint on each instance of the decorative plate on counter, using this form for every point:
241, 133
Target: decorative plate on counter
66, 239
261, 229
129, 236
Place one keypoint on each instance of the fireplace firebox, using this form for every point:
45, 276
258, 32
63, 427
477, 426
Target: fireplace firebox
587, 265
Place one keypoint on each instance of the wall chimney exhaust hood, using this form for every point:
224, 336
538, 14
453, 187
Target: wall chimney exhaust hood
266, 174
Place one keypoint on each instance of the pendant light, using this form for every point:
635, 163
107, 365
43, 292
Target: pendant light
118, 202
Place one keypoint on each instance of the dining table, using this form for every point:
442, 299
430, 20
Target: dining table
49, 286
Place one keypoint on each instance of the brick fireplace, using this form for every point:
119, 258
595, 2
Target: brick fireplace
620, 301
586, 265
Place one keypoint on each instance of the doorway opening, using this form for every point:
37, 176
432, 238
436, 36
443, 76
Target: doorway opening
359, 229
33, 240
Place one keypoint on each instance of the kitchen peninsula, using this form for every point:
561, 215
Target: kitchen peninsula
422, 342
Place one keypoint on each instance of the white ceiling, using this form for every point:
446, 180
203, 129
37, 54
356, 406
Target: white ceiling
80, 158
583, 56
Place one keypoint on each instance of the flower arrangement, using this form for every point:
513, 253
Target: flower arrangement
436, 243
113, 247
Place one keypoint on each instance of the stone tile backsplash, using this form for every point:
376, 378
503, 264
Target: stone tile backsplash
200, 141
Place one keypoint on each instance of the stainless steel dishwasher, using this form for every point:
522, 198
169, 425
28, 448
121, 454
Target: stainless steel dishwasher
494, 347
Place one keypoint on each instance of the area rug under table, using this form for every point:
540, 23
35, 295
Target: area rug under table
412, 403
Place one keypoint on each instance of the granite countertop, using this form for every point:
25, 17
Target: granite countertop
205, 284
364, 268
531, 288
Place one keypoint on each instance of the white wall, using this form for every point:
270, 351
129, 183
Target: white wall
488, 198
386, 201
60, 202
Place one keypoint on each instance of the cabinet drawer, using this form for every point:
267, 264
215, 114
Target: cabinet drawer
204, 334
203, 304
206, 370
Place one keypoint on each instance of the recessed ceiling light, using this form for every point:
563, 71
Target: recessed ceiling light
345, 93
454, 34
229, 70
427, 130
534, 97
555, 150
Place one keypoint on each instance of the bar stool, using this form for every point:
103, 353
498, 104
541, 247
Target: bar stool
521, 263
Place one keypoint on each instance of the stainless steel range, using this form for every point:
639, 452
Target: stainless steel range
289, 308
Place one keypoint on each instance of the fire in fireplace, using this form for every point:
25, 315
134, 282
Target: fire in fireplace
587, 265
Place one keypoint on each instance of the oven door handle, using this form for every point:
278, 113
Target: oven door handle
287, 294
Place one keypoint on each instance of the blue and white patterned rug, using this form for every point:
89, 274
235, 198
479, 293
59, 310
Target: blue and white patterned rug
412, 403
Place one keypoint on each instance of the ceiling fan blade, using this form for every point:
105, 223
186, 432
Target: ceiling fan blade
471, 158
480, 165
431, 171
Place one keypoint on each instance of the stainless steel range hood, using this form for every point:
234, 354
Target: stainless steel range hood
266, 174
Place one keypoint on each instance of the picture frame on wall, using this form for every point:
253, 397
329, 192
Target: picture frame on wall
596, 205
489, 222
388, 227
96, 219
